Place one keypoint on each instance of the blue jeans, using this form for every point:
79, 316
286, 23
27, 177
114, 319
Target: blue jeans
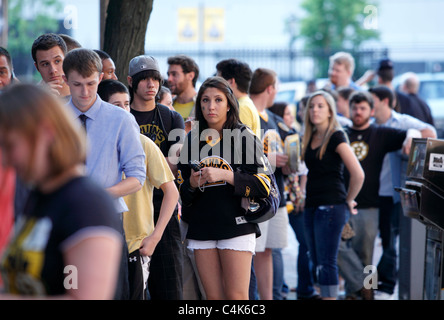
389, 213
323, 227
252, 290
278, 273
304, 265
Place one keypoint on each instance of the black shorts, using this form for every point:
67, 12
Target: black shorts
138, 271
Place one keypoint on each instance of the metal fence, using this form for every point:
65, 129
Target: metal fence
291, 65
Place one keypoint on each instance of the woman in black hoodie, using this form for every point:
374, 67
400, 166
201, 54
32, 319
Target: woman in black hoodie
229, 165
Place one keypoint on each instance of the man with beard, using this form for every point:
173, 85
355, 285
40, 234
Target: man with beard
183, 73
370, 143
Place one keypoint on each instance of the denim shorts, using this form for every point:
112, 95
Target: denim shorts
241, 243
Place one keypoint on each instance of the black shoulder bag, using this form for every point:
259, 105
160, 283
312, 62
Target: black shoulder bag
258, 210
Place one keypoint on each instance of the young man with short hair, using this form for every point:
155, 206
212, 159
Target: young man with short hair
113, 138
263, 89
48, 52
6, 68
342, 106
109, 68
183, 73
238, 74
71, 43
341, 69
156, 121
114, 92
392, 175
142, 235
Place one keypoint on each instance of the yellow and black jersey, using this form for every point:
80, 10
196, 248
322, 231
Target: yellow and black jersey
34, 263
273, 137
214, 211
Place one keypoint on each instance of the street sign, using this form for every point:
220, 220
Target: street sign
201, 25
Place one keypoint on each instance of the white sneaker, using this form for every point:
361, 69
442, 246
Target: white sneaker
381, 295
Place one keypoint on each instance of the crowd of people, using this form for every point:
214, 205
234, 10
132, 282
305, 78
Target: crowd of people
136, 190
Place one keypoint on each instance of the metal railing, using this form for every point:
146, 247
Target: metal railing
291, 65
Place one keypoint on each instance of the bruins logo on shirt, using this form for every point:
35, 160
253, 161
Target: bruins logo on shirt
153, 132
360, 149
23, 262
215, 162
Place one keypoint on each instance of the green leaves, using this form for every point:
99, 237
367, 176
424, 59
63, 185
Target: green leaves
336, 24
27, 21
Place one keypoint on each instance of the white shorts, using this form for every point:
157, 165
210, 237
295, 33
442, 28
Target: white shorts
241, 243
145, 262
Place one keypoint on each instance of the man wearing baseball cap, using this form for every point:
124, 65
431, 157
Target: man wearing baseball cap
144, 80
156, 121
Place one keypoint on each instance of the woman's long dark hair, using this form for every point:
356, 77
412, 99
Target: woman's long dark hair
233, 121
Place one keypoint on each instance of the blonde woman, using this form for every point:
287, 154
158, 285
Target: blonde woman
326, 151
66, 244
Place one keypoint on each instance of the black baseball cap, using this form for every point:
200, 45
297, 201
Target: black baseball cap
385, 64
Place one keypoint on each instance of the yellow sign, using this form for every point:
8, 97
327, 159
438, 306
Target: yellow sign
214, 25
206, 25
187, 23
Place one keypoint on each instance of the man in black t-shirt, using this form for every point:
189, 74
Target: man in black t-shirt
156, 121
370, 143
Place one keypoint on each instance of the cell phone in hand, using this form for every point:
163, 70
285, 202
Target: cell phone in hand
195, 165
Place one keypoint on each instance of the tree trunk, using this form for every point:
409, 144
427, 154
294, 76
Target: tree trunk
4, 20
125, 31
103, 9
